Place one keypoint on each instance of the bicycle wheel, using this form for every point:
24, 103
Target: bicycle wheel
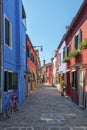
9, 110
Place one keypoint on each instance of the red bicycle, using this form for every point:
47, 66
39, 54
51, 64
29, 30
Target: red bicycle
12, 105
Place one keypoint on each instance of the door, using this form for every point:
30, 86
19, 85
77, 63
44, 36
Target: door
81, 88
0, 101
68, 83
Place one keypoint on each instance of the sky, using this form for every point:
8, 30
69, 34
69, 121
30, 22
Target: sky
46, 23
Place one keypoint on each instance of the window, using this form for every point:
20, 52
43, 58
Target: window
60, 59
27, 51
23, 16
68, 50
77, 40
63, 53
74, 79
8, 34
10, 81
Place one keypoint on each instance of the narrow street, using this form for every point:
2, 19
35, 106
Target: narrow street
46, 109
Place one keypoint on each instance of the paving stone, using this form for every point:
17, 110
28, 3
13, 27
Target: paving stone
23, 129
37, 128
29, 128
78, 129
54, 129
11, 128
44, 128
46, 109
65, 128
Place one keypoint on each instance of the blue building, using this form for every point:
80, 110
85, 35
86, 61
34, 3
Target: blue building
13, 47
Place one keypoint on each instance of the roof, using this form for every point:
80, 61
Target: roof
76, 17
61, 42
46, 65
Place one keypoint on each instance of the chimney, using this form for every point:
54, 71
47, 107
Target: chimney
55, 52
43, 62
67, 28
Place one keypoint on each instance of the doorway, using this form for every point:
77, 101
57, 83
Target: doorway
81, 87
68, 83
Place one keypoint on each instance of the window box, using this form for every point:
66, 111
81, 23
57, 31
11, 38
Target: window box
66, 59
74, 53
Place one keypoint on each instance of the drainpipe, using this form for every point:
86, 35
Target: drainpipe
1, 57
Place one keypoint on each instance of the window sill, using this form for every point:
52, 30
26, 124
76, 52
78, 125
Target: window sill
9, 91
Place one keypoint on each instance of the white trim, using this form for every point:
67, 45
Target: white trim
77, 32
8, 70
9, 46
68, 70
73, 70
24, 47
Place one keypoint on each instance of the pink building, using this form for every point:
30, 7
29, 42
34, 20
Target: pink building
76, 64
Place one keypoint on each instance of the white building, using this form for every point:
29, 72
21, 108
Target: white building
61, 65
55, 68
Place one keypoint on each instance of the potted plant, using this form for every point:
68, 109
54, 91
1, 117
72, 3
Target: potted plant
62, 87
66, 59
74, 53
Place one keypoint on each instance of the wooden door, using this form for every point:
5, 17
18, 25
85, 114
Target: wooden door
81, 87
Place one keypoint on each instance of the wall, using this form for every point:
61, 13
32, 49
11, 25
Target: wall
15, 57
62, 67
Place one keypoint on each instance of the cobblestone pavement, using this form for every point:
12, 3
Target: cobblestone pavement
46, 109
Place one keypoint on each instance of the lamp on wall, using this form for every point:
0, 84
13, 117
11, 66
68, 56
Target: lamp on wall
41, 48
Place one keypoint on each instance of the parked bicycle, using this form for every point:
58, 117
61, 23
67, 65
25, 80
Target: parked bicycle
12, 105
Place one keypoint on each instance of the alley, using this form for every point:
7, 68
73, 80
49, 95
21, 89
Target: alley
46, 109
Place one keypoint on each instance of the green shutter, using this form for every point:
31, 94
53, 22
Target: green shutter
14, 82
65, 51
76, 42
69, 48
79, 38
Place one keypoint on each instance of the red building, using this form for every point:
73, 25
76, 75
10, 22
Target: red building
76, 64
49, 73
31, 66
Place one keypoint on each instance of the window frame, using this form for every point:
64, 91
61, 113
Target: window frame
79, 40
59, 55
10, 32
75, 78
10, 81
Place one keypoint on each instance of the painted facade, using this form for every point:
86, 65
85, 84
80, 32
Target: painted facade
49, 73
38, 70
31, 66
61, 65
55, 67
14, 50
76, 75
